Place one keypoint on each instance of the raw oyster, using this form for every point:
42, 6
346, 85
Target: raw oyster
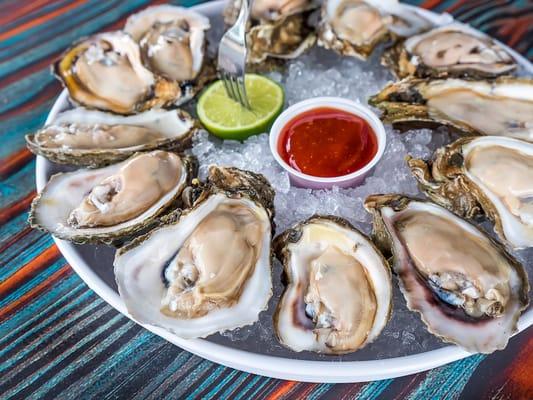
466, 287
173, 45
207, 269
110, 204
491, 175
94, 138
503, 107
356, 27
454, 50
277, 29
105, 71
338, 296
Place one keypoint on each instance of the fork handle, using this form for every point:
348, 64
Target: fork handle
244, 14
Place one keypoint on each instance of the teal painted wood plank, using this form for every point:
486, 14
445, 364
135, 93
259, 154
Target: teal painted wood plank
14, 226
31, 282
14, 128
114, 322
197, 374
10, 265
172, 370
109, 376
19, 322
143, 366
138, 343
447, 382
372, 390
22, 248
18, 185
39, 338
205, 383
233, 376
22, 91
320, 391
36, 329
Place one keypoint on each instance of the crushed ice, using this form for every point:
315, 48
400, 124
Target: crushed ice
320, 73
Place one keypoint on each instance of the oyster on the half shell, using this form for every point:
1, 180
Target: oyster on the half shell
105, 71
467, 289
356, 27
172, 43
490, 175
502, 107
111, 204
206, 269
95, 138
339, 291
277, 29
454, 50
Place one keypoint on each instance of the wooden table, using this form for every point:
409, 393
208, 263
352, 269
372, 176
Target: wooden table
60, 340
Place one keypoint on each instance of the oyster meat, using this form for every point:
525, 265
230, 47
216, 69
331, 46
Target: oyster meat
206, 269
105, 71
454, 50
277, 29
467, 289
356, 27
172, 42
110, 204
95, 138
491, 175
503, 107
338, 295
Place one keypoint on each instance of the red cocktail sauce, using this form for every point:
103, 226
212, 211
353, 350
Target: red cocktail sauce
327, 142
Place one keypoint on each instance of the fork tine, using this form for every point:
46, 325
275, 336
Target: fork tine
234, 91
235, 87
229, 87
225, 79
242, 91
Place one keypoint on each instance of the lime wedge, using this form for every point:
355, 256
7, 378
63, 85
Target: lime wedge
227, 119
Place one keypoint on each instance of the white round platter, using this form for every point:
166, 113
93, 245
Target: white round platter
273, 366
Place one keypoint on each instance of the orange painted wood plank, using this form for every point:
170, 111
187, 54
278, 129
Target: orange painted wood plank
30, 269
34, 292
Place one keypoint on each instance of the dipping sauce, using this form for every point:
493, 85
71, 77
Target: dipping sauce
327, 142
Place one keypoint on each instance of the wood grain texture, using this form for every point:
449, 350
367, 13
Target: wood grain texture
60, 340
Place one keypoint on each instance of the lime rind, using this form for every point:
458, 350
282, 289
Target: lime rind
226, 118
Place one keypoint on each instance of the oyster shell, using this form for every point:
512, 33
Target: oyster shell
490, 175
110, 204
339, 291
172, 43
206, 269
503, 107
277, 29
105, 71
94, 138
454, 50
356, 27
467, 289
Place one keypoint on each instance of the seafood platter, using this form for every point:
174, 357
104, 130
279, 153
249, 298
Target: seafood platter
378, 222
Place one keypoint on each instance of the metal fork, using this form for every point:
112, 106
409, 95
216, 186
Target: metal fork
232, 57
